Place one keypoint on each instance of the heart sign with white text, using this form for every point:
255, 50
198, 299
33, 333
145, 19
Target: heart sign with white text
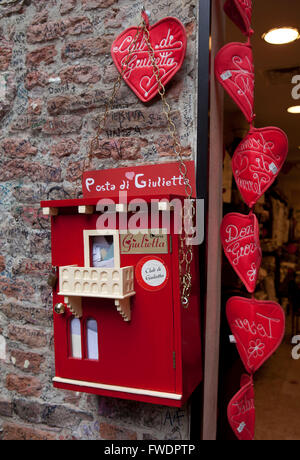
241, 411
257, 162
131, 56
235, 72
141, 180
240, 13
258, 328
240, 239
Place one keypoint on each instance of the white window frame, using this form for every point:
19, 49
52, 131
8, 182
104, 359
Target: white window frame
87, 234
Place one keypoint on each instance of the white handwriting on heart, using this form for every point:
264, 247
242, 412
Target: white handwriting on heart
235, 245
243, 75
148, 83
243, 164
164, 56
262, 327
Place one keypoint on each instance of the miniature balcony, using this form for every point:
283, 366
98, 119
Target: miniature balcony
106, 283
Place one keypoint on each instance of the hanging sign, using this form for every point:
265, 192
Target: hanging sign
235, 71
241, 411
144, 243
240, 239
258, 328
164, 178
131, 54
257, 162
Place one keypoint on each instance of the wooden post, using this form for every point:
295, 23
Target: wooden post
212, 315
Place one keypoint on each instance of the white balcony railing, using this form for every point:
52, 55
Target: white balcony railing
109, 283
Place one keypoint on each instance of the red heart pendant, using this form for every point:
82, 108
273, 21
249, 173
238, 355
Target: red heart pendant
168, 39
240, 239
235, 71
258, 328
257, 162
241, 411
240, 12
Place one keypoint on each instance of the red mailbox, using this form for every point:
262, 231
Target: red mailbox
120, 328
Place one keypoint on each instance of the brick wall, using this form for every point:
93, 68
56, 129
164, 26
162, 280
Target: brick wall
55, 76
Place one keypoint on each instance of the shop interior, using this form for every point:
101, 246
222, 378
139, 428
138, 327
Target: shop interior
277, 382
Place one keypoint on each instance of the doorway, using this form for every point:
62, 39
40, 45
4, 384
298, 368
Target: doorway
277, 382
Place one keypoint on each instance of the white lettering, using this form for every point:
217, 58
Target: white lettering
296, 90
262, 329
89, 182
141, 184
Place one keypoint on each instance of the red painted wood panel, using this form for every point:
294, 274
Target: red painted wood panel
138, 354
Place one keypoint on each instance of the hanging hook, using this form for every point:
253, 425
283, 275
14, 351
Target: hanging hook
146, 14
146, 11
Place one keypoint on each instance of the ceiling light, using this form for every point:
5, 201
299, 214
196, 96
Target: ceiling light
281, 36
294, 109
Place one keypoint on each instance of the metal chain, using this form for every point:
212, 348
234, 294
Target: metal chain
185, 250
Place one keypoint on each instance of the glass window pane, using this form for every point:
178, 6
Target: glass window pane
103, 251
92, 339
75, 338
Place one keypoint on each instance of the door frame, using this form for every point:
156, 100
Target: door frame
209, 176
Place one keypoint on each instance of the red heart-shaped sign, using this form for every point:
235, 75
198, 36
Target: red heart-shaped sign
241, 411
240, 239
168, 39
258, 328
235, 71
240, 12
258, 160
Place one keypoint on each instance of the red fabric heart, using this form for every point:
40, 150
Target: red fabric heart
240, 12
234, 70
168, 39
257, 162
240, 239
241, 411
258, 328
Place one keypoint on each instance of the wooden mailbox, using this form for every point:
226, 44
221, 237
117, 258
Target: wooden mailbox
119, 326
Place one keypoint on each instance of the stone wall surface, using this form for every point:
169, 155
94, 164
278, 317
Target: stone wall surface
56, 74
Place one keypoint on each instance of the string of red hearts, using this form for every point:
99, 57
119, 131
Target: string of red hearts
258, 326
